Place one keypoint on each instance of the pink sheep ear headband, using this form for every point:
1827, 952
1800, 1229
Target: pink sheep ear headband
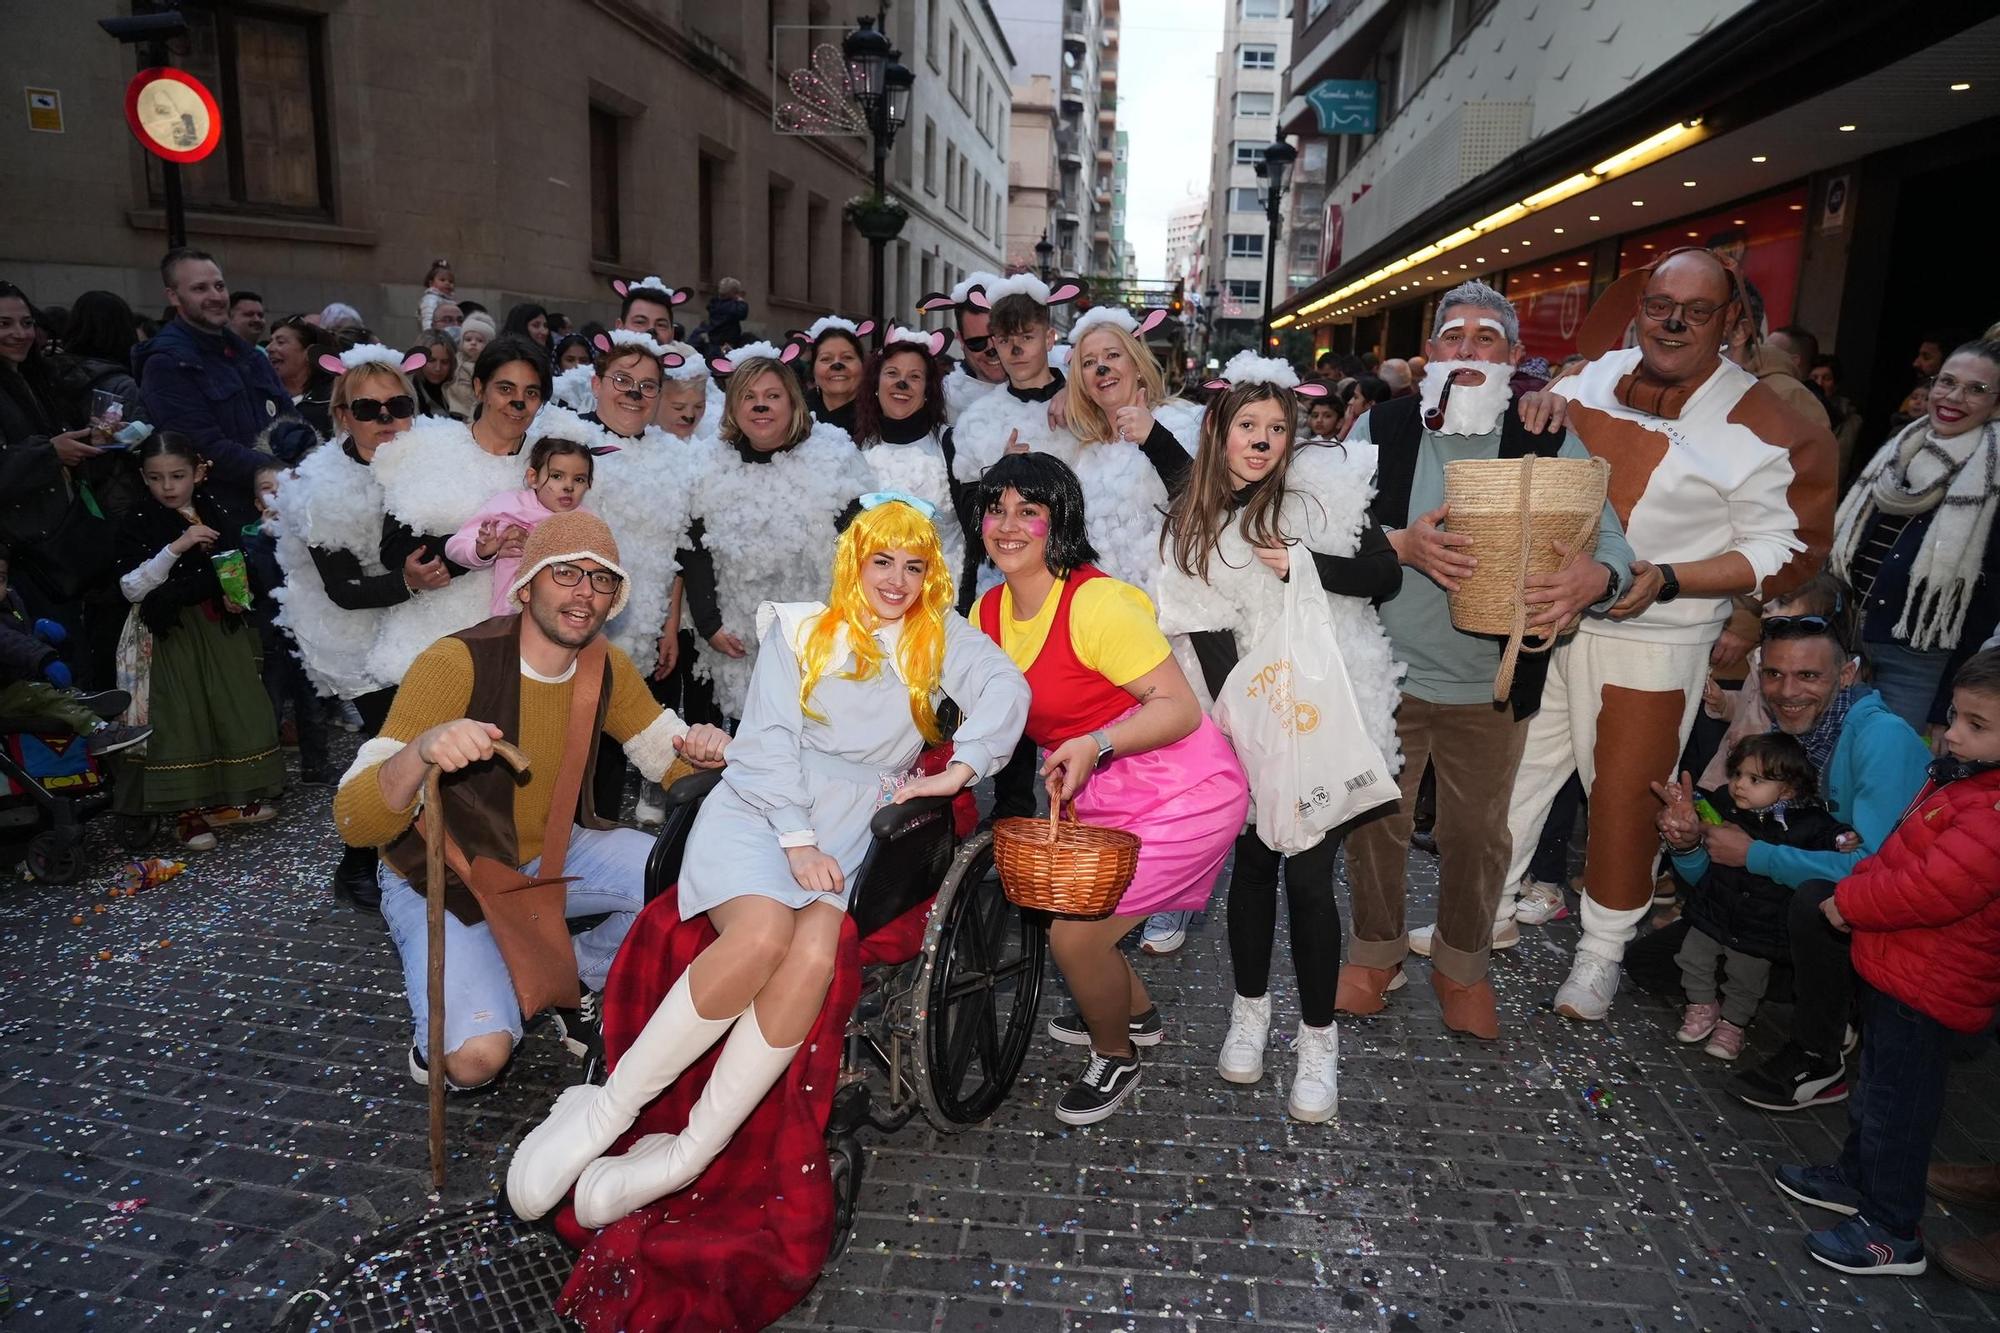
675, 295
934, 342
372, 354
726, 365
604, 342
937, 301
1302, 390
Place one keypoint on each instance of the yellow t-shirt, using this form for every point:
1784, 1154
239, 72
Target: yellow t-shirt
1113, 629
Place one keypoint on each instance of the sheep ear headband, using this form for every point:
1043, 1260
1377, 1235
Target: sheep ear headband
670, 296
605, 342
1246, 367
364, 354
826, 324
1137, 326
557, 422
959, 296
933, 343
1023, 284
726, 365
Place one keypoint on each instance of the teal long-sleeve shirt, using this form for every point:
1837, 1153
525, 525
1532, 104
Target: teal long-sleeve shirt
1877, 769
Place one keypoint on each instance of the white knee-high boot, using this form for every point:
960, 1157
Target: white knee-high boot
659, 1164
586, 1120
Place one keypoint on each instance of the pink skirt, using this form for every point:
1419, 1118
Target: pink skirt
1187, 802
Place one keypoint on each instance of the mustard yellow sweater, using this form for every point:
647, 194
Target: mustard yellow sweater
438, 688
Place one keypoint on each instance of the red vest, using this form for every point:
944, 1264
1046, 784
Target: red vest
1065, 697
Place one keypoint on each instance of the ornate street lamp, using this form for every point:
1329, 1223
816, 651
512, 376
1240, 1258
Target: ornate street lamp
881, 85
1277, 163
1045, 256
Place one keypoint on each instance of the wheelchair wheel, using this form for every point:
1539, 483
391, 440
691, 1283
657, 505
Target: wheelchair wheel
843, 1164
974, 1001
56, 856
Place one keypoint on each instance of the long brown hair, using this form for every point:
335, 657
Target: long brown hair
1201, 513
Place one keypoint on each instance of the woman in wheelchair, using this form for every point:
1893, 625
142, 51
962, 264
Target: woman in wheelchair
842, 701
1124, 736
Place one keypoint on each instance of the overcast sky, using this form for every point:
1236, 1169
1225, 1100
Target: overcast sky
1166, 104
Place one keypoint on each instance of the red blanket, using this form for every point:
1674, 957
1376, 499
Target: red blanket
745, 1243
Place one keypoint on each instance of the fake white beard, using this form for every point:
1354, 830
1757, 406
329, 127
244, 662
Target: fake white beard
1472, 409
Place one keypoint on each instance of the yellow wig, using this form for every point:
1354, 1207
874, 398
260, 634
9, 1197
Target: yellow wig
890, 526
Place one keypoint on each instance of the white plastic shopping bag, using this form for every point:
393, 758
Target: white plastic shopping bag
1289, 710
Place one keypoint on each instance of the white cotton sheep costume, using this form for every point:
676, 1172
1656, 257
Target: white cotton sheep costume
769, 525
1328, 491
434, 477
333, 502
918, 467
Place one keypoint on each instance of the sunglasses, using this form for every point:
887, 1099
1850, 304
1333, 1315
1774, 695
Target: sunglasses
1805, 627
977, 346
400, 408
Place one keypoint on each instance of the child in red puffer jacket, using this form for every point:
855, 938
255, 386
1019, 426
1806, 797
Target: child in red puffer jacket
1925, 915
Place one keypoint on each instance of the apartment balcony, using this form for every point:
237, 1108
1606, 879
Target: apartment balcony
1072, 95
1105, 156
1069, 148
1067, 218
1107, 109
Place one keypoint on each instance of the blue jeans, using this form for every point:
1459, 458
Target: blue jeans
1893, 1110
1907, 680
610, 866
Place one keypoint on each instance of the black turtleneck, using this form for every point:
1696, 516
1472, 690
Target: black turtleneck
907, 431
1043, 394
842, 417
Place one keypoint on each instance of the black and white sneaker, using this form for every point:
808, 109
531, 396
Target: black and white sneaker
115, 736
581, 1030
1106, 1081
1793, 1080
1146, 1029
420, 1074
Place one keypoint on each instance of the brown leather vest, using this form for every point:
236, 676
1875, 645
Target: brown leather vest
479, 801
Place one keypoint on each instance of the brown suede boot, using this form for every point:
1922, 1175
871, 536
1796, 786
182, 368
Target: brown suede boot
1365, 990
1964, 1182
1467, 1009
1974, 1262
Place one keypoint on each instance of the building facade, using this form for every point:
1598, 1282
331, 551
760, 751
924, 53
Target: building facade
1119, 247
1547, 150
950, 164
1249, 78
545, 148
1183, 226
1034, 178
1074, 44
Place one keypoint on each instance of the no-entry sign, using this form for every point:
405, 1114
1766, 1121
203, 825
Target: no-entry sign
173, 114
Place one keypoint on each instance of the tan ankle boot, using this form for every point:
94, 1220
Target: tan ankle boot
1468, 1009
1365, 990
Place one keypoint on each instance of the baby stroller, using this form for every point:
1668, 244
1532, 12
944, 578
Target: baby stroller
52, 785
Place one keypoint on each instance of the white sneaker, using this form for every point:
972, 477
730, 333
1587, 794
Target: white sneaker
1505, 936
1242, 1059
1539, 903
1165, 932
1315, 1088
1586, 995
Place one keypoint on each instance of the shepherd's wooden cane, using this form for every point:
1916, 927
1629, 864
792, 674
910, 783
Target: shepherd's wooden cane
434, 839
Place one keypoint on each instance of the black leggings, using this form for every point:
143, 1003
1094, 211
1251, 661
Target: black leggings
1315, 916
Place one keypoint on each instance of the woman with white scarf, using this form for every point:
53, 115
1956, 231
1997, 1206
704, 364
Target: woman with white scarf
1915, 537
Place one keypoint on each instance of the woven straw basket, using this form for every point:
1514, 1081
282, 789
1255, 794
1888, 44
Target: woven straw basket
1515, 510
1063, 866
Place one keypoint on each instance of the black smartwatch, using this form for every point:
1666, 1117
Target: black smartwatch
1670, 585
1611, 582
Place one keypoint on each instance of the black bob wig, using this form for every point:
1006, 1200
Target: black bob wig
1045, 480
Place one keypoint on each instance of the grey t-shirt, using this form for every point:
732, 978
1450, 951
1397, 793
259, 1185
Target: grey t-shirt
1446, 665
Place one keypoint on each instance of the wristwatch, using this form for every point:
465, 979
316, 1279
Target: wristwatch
1670, 586
1611, 581
1105, 749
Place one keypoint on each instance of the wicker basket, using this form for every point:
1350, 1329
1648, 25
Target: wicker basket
1515, 510
1063, 866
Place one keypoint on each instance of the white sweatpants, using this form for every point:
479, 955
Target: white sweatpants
1617, 713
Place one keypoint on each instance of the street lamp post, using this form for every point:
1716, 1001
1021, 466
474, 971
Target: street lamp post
1278, 159
881, 85
1209, 298
1045, 258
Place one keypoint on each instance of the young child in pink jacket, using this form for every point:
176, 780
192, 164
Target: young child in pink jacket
558, 477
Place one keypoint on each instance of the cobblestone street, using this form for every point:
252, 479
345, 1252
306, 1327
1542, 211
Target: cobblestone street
203, 1104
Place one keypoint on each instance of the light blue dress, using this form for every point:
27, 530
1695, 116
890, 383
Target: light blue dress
788, 773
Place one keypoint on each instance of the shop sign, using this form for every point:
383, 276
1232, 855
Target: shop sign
1345, 106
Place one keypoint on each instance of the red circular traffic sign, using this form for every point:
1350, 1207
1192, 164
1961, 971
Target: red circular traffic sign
173, 114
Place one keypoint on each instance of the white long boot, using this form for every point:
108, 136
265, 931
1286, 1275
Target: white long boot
586, 1120
659, 1164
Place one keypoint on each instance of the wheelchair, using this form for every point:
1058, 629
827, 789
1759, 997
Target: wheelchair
943, 1033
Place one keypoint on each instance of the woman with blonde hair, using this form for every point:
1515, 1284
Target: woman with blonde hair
843, 700
1137, 440
765, 513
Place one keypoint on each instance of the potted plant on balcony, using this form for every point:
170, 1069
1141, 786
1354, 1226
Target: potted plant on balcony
878, 217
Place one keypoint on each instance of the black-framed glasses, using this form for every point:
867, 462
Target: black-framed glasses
624, 383
602, 581
1660, 309
977, 345
400, 408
